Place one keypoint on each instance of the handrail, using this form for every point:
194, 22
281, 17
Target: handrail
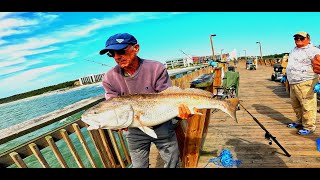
23, 128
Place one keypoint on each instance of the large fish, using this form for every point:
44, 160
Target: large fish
146, 110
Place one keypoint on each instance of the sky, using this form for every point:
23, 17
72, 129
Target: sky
40, 49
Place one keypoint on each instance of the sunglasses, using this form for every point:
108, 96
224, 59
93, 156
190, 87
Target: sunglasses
120, 52
301, 38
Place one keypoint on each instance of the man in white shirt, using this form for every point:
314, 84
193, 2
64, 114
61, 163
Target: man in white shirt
302, 78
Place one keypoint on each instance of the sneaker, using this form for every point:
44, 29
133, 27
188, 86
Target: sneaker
305, 131
294, 125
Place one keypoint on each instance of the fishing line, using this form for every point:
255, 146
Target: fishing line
99, 63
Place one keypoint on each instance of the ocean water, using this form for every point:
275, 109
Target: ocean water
22, 110
19, 111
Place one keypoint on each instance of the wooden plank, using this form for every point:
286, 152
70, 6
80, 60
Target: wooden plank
107, 148
84, 145
207, 120
34, 148
71, 147
56, 151
193, 140
205, 127
217, 81
185, 81
180, 138
124, 147
18, 160
24, 151
96, 139
26, 127
116, 148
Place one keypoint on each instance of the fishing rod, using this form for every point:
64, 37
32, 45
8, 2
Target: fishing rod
267, 135
98, 63
185, 53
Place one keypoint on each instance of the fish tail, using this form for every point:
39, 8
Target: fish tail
232, 105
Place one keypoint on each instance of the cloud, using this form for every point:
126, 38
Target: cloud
13, 26
18, 43
16, 24
13, 69
5, 14
31, 79
46, 17
12, 62
24, 53
63, 56
2, 41
68, 33
26, 76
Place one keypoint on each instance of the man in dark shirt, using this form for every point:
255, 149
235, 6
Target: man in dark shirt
133, 75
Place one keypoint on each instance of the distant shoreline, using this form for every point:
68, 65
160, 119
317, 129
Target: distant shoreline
66, 86
62, 90
62, 87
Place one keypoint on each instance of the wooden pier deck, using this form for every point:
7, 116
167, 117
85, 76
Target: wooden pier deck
268, 102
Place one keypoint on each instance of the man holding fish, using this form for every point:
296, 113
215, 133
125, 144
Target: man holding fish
133, 75
140, 98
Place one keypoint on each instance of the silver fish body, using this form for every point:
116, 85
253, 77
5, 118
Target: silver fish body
145, 110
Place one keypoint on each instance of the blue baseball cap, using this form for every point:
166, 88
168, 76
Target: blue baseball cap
118, 41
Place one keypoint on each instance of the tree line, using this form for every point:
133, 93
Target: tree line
68, 84
275, 55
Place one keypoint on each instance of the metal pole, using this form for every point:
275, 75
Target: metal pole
260, 49
212, 46
221, 54
245, 54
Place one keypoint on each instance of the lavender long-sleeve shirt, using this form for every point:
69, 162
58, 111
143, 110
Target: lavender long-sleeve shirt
150, 77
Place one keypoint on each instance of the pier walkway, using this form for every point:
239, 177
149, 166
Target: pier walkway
269, 103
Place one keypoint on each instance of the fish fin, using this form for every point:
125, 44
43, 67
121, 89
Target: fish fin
197, 91
94, 127
148, 131
232, 107
171, 89
190, 91
144, 128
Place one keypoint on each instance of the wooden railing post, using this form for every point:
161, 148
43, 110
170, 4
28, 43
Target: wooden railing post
196, 131
217, 81
193, 140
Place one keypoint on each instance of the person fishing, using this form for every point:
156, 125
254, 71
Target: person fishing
134, 75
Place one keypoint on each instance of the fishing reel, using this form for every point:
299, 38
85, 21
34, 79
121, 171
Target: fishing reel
268, 137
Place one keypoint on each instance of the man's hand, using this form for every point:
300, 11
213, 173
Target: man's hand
316, 64
184, 111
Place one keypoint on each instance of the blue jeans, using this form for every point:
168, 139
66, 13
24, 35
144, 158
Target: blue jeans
139, 145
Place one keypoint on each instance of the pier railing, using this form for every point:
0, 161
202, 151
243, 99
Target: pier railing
105, 151
71, 144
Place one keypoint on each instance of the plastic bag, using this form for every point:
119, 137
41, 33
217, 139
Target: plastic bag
316, 88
